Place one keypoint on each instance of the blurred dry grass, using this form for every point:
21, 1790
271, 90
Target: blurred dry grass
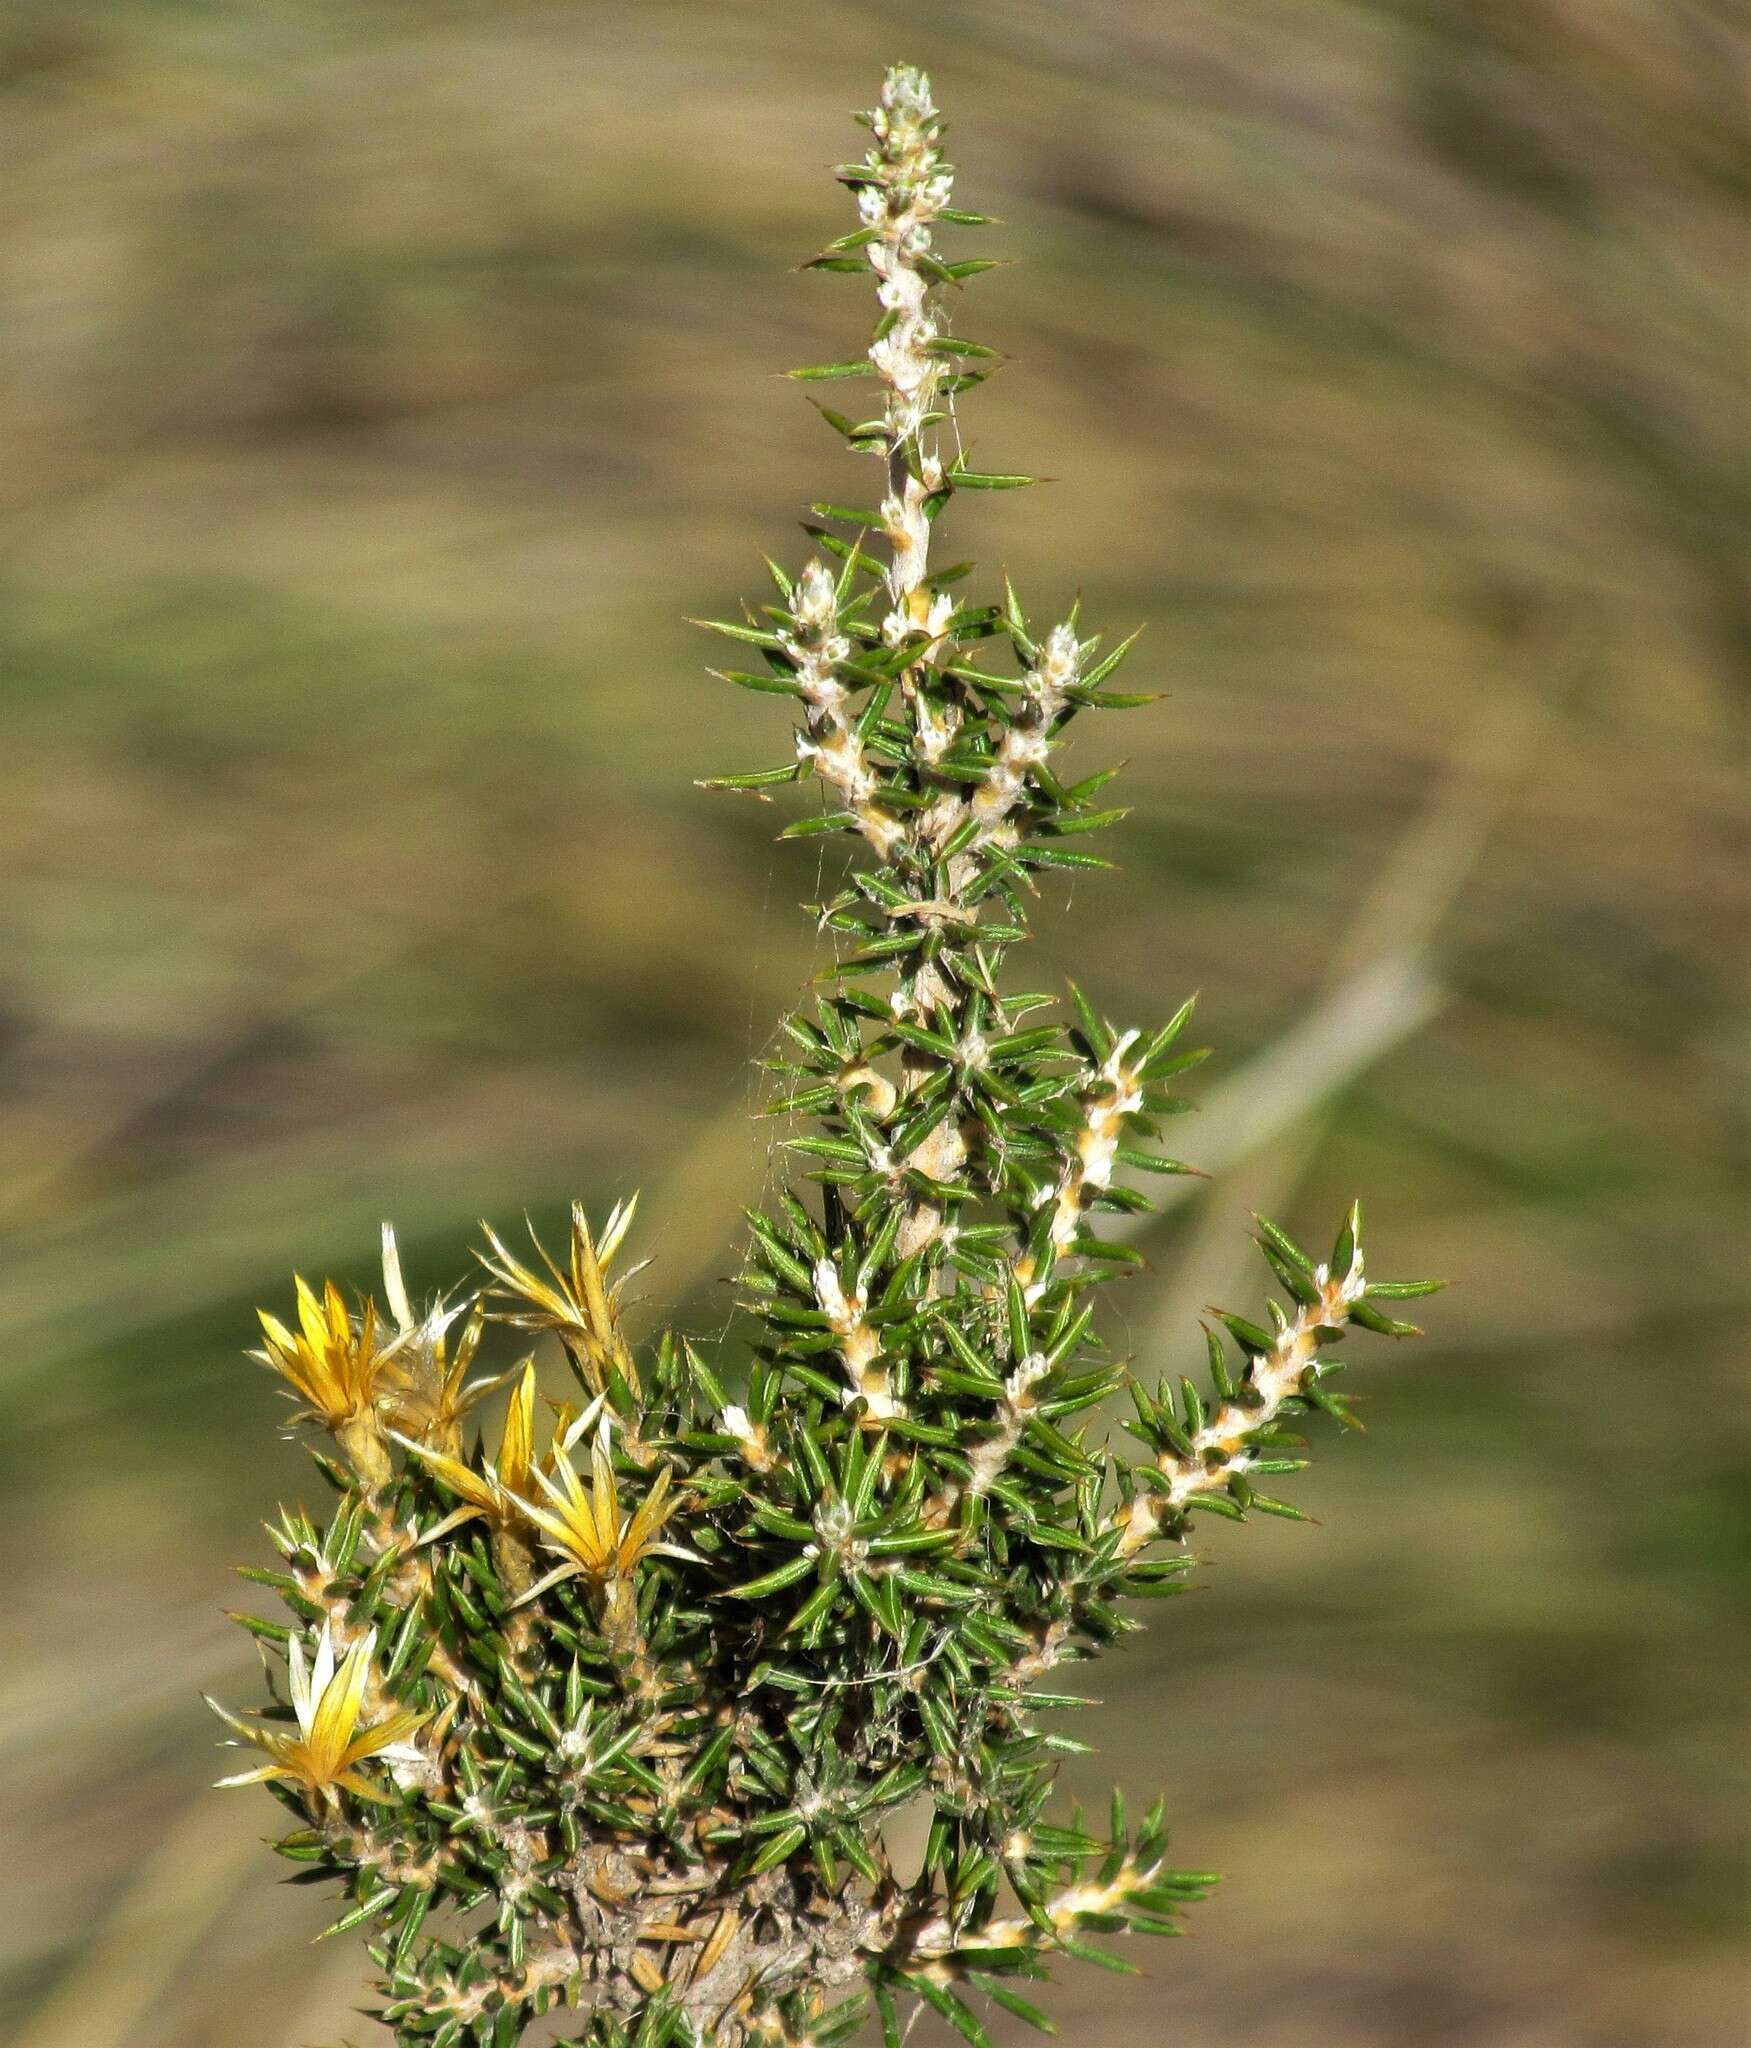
388, 379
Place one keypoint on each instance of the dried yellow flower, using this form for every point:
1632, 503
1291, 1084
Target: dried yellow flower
439, 1392
578, 1304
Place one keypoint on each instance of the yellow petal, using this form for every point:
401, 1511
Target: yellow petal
587, 1272
231, 1720
557, 1529
560, 1484
255, 1777
365, 1364
277, 1334
512, 1273
619, 1222
517, 1444
288, 1358
454, 1520
606, 1492
553, 1578
362, 1788
478, 1491
382, 1735
469, 1341
654, 1511
310, 1318
337, 1712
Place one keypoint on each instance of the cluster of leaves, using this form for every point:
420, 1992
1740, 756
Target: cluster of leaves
647, 1742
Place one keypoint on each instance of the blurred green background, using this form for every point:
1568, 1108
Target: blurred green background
389, 378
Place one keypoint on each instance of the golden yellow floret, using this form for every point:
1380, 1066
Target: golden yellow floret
587, 1528
324, 1754
341, 1370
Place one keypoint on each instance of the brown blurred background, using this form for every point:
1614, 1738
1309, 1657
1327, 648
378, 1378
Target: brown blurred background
388, 378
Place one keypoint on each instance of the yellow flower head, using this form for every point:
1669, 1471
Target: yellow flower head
587, 1529
340, 1369
324, 1755
577, 1303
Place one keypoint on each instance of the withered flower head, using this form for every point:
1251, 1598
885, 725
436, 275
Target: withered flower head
438, 1393
492, 1493
578, 1303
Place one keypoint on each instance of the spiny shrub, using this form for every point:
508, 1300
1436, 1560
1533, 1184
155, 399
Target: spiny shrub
624, 1713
